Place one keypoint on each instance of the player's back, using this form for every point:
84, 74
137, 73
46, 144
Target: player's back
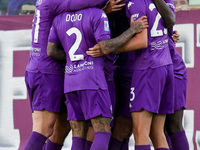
77, 32
46, 10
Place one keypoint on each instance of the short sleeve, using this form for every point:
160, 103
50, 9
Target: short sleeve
171, 5
53, 37
100, 25
136, 9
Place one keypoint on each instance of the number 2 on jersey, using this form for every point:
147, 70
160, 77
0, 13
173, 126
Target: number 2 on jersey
154, 31
76, 44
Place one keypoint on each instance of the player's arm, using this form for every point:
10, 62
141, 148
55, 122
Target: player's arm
167, 14
111, 45
56, 52
112, 6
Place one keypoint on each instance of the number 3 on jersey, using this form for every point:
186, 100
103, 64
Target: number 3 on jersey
132, 94
76, 44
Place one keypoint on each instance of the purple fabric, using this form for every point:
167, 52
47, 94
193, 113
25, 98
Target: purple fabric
179, 141
82, 71
125, 144
168, 141
87, 104
101, 141
35, 141
45, 12
180, 93
42, 97
157, 52
78, 143
52, 146
153, 90
142, 147
114, 144
88, 145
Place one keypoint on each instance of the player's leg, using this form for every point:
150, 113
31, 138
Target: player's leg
141, 129
96, 106
43, 105
157, 133
173, 123
43, 122
77, 120
79, 133
176, 131
102, 132
90, 138
122, 128
166, 106
60, 132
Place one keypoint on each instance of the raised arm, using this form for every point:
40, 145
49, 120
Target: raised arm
167, 14
56, 52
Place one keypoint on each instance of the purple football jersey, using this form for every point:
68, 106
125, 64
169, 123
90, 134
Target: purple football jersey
157, 52
77, 32
178, 63
46, 10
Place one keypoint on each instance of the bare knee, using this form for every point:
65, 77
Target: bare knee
101, 124
43, 122
79, 128
122, 128
173, 122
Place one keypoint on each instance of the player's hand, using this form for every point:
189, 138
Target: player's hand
112, 6
139, 25
95, 51
175, 36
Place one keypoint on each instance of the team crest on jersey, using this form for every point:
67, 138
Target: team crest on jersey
106, 26
103, 15
39, 2
129, 4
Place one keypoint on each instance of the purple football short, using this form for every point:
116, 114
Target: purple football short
123, 85
87, 104
152, 90
46, 91
180, 93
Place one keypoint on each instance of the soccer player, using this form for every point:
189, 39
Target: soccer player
173, 122
152, 80
85, 85
44, 77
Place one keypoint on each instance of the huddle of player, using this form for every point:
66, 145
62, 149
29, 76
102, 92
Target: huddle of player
108, 95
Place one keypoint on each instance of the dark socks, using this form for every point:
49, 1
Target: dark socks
142, 147
101, 141
88, 144
179, 141
125, 144
35, 141
114, 144
78, 143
